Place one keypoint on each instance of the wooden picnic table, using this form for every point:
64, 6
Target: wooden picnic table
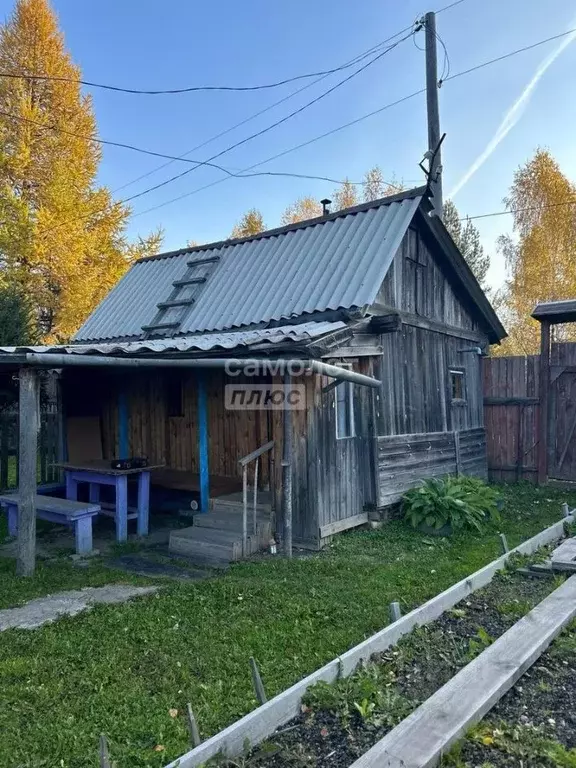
99, 472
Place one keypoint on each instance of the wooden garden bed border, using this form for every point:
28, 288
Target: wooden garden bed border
427, 734
264, 720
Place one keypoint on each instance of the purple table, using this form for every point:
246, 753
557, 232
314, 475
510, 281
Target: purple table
97, 473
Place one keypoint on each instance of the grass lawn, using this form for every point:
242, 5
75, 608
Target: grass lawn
121, 669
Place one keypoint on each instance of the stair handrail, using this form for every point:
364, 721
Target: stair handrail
244, 462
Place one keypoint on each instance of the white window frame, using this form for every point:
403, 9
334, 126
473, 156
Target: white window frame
462, 373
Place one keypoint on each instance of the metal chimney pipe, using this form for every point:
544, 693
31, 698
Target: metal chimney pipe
325, 204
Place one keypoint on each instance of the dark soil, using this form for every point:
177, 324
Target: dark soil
534, 725
340, 722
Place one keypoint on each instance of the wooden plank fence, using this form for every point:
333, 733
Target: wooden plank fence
49, 439
511, 410
512, 413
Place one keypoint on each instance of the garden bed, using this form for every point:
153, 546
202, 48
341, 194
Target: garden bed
534, 724
341, 721
192, 642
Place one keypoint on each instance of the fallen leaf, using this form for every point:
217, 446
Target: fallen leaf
324, 732
173, 712
159, 748
487, 740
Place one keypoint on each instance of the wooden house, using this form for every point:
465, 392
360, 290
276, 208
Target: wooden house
375, 304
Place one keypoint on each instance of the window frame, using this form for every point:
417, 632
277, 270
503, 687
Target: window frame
349, 415
461, 373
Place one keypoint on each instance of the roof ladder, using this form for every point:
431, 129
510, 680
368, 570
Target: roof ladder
172, 312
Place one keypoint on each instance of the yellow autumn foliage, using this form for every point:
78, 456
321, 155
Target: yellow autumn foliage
541, 259
61, 236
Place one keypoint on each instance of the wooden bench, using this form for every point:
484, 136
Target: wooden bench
64, 511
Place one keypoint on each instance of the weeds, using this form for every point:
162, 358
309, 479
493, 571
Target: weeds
367, 694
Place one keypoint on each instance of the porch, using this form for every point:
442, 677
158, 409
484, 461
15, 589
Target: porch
229, 470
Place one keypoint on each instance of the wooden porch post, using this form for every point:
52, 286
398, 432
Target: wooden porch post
287, 473
203, 443
544, 410
27, 459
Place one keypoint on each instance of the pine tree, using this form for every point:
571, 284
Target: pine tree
467, 238
62, 238
304, 208
17, 322
541, 257
252, 223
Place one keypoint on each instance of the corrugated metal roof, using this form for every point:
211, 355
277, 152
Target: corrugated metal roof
325, 264
303, 332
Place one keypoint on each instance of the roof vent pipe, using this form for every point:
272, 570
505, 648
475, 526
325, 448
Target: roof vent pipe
325, 204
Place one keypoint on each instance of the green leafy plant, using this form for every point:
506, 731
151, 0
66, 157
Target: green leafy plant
365, 709
457, 502
479, 643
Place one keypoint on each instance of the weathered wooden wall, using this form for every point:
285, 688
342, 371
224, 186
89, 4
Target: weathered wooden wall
342, 468
167, 439
417, 284
404, 460
511, 409
415, 395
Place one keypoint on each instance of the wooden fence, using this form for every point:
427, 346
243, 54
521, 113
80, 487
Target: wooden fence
48, 447
512, 412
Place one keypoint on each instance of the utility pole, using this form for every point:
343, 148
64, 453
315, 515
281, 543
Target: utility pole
433, 112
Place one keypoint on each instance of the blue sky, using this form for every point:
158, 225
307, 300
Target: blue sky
175, 43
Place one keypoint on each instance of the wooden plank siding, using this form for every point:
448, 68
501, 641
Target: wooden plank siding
415, 394
404, 460
173, 439
416, 283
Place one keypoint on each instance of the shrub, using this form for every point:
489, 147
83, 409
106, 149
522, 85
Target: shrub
458, 502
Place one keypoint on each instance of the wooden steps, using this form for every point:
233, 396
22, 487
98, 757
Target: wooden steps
216, 536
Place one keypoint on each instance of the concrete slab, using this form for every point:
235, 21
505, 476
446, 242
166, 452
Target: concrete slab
46, 609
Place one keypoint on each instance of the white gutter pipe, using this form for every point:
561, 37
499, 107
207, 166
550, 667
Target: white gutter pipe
57, 360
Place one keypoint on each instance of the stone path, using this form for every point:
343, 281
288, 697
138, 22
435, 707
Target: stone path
43, 610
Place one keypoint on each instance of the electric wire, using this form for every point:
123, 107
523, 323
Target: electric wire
359, 119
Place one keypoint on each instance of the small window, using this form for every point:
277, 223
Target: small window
458, 385
345, 410
174, 395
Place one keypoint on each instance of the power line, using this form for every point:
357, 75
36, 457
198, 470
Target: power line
189, 89
518, 210
284, 152
248, 119
359, 119
273, 125
448, 7
229, 172
248, 138
508, 55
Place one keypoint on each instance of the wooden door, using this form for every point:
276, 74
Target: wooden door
562, 426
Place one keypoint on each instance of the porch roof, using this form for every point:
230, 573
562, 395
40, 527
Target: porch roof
251, 339
556, 311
